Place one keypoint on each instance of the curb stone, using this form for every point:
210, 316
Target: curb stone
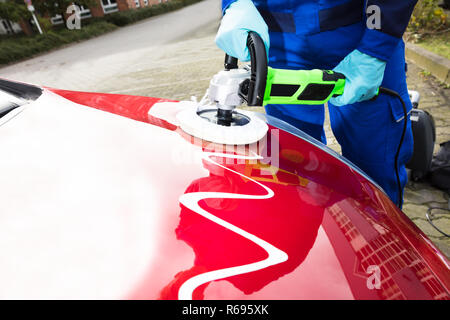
437, 65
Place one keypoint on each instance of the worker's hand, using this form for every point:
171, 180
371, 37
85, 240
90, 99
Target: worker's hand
364, 75
240, 18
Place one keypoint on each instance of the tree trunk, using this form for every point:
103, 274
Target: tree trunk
26, 27
63, 15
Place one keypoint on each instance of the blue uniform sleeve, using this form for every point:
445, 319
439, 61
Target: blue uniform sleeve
395, 15
226, 4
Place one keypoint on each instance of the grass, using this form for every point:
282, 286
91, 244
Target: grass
439, 44
18, 47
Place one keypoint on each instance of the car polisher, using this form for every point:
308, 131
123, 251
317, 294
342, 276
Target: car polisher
260, 85
216, 118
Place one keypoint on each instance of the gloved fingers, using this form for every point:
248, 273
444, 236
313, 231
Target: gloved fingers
344, 99
354, 93
234, 43
348, 97
364, 75
266, 39
369, 94
338, 101
240, 18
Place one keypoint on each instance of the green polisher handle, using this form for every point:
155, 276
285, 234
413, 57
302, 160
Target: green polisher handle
308, 87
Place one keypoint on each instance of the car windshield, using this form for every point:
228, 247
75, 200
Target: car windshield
13, 95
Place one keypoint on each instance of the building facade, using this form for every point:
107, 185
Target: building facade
102, 8
8, 27
105, 7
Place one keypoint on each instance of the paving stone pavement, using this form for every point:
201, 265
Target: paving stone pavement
421, 197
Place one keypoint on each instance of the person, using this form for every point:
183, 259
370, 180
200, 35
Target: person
343, 35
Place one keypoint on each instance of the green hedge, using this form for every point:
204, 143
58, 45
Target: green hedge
428, 16
14, 48
17, 48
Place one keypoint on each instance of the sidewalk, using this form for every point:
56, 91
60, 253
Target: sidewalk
419, 197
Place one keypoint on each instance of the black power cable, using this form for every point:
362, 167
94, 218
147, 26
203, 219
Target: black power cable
430, 216
393, 93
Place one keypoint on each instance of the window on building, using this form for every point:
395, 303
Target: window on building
138, 4
85, 12
57, 19
7, 27
109, 6
146, 2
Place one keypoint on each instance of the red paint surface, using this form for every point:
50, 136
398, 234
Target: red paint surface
331, 221
133, 107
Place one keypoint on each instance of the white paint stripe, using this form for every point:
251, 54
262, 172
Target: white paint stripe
190, 201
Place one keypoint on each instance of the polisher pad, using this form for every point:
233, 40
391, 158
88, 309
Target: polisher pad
247, 127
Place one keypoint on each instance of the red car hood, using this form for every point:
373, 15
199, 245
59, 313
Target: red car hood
98, 205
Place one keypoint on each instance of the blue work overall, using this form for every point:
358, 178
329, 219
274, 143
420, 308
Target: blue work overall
318, 34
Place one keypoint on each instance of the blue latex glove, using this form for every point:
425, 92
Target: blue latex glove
364, 76
240, 18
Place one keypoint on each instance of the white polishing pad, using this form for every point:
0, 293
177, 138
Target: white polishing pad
193, 124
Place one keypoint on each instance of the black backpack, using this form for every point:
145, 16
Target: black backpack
424, 132
440, 168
